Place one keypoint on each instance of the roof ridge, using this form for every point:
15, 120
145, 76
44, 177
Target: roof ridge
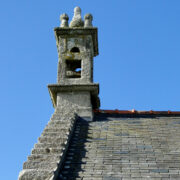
133, 111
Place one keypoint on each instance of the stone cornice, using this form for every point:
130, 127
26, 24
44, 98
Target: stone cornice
92, 88
78, 31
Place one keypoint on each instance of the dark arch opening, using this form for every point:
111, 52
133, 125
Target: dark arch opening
75, 50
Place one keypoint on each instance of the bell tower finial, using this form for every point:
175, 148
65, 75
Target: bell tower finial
64, 20
88, 20
77, 20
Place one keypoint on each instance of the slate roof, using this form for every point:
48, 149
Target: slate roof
124, 146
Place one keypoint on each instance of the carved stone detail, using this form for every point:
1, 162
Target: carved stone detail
64, 20
88, 20
77, 20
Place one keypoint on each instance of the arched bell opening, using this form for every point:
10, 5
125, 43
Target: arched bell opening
75, 50
73, 68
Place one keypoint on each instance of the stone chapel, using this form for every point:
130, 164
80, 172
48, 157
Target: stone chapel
83, 142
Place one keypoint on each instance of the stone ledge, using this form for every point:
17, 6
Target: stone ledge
92, 88
32, 174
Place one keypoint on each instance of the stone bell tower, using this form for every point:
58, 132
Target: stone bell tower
77, 44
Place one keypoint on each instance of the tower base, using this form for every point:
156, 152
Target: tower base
82, 98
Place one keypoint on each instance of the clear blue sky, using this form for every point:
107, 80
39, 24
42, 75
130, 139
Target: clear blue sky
138, 66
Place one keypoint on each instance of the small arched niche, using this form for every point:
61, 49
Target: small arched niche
75, 50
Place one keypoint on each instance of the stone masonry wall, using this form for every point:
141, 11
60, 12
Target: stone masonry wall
81, 101
48, 154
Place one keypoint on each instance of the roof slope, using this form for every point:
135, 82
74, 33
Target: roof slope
117, 147
48, 153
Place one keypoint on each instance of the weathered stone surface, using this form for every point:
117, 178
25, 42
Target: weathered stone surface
82, 97
62, 34
88, 20
64, 20
32, 164
77, 20
70, 61
43, 157
59, 139
48, 154
77, 46
49, 145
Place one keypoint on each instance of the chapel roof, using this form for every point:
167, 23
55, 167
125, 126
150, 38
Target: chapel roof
124, 146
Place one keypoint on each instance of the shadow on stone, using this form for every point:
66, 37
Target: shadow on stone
75, 158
